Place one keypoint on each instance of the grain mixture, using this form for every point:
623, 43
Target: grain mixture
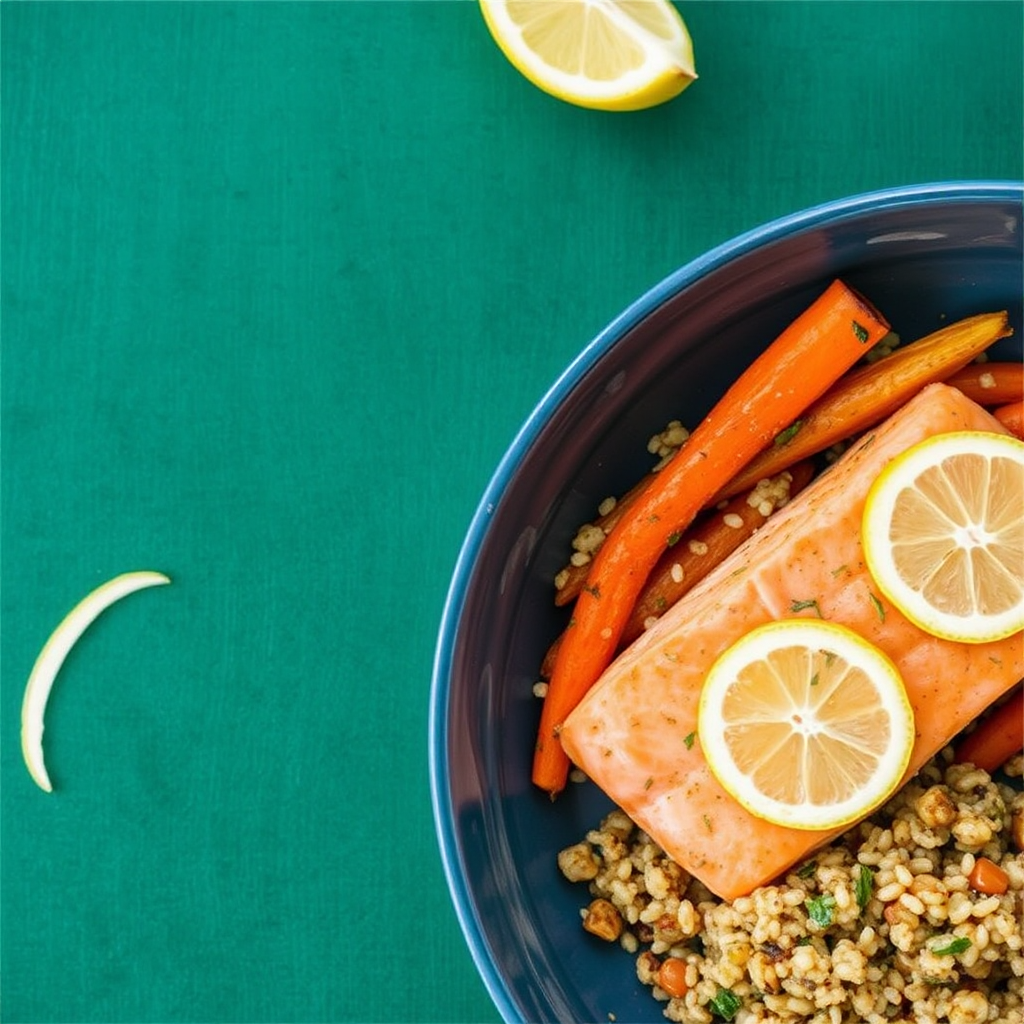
883, 925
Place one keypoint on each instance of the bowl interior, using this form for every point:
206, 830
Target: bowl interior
925, 256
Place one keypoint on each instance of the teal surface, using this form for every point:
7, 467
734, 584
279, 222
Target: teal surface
280, 283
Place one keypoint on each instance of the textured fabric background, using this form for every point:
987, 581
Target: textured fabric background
280, 282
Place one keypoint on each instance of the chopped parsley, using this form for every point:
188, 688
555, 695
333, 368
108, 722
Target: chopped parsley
878, 606
787, 435
799, 606
808, 869
804, 940
648, 782
815, 679
957, 945
865, 886
726, 1004
688, 740
860, 332
673, 539
819, 909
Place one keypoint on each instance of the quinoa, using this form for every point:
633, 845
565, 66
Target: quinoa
879, 926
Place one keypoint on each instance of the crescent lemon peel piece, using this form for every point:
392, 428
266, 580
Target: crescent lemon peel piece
55, 650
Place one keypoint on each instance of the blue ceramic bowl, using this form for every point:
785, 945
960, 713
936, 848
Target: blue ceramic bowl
925, 256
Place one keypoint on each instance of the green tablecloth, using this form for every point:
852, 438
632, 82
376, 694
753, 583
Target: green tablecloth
280, 282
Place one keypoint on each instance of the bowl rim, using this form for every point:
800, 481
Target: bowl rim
816, 216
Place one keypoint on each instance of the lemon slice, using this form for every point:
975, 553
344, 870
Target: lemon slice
943, 535
604, 54
806, 724
51, 657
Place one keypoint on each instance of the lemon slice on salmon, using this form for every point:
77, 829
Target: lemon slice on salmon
943, 535
603, 54
806, 724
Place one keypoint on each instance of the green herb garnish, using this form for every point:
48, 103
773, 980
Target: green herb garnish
957, 945
688, 740
878, 606
860, 332
808, 869
787, 435
865, 886
799, 606
726, 1004
674, 538
815, 679
819, 909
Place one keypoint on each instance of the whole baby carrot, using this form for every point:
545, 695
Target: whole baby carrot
990, 384
797, 368
997, 737
1011, 416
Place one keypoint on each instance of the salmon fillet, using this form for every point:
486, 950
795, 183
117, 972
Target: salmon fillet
635, 732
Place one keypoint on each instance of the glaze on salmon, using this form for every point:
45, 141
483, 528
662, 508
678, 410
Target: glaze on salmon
635, 732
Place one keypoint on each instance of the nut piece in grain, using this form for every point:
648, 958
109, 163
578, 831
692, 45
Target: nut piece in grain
1017, 829
578, 862
603, 920
935, 808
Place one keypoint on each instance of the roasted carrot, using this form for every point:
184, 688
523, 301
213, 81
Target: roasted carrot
866, 396
988, 877
700, 548
997, 737
990, 384
672, 977
796, 369
1011, 416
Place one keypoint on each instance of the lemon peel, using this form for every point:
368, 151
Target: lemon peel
602, 54
51, 658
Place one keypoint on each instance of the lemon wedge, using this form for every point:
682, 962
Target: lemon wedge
602, 54
943, 535
806, 724
51, 657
